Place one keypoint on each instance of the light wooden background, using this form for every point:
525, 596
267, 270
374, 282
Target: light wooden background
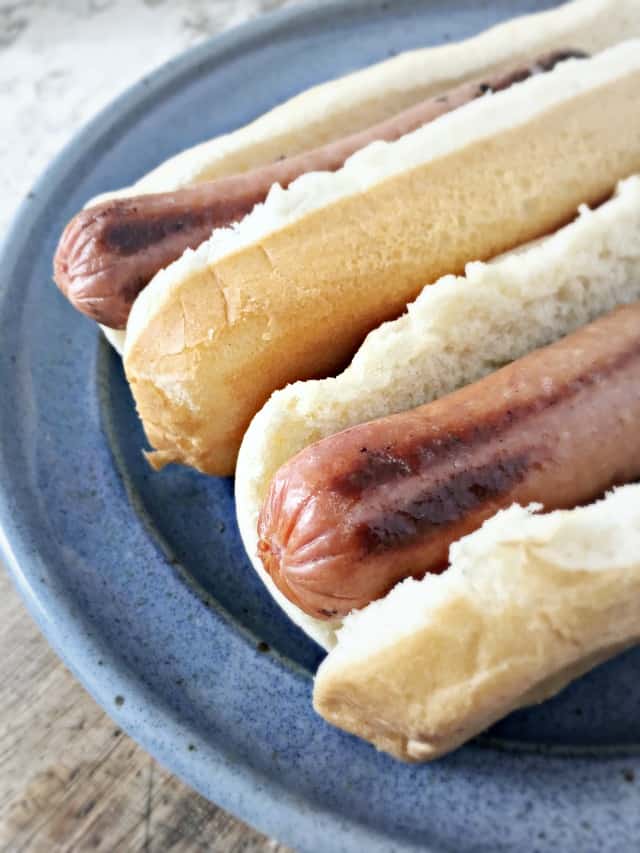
69, 779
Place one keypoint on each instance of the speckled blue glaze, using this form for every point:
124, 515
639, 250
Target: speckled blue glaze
139, 580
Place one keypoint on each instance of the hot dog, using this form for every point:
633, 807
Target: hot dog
460, 331
511, 390
110, 251
290, 289
350, 516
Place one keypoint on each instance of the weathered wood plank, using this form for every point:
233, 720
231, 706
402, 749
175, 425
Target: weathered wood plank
70, 780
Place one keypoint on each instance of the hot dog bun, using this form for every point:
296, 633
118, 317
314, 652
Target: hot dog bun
457, 331
528, 603
334, 109
115, 337
358, 100
292, 290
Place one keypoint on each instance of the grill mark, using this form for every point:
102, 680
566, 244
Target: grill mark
545, 63
444, 504
127, 238
415, 459
381, 467
549, 61
384, 467
128, 235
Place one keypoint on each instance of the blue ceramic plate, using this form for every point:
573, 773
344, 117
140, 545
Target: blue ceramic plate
139, 580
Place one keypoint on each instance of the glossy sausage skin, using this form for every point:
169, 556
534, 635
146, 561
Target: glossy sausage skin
109, 252
350, 516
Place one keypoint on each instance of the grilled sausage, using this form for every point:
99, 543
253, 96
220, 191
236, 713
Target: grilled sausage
350, 516
109, 252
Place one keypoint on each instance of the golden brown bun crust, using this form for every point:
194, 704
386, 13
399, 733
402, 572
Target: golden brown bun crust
298, 302
529, 603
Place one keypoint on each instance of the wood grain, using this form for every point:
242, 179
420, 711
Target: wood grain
70, 780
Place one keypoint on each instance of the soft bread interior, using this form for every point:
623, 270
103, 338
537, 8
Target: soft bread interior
528, 603
457, 331
360, 99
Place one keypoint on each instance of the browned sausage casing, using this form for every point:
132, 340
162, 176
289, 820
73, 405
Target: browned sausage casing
109, 252
350, 516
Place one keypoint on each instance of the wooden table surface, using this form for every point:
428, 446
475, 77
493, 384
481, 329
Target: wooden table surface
70, 780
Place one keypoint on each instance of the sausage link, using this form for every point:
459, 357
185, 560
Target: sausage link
109, 252
350, 516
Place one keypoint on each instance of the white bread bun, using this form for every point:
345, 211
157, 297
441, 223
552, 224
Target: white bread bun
528, 603
457, 331
334, 109
358, 100
292, 290
115, 337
